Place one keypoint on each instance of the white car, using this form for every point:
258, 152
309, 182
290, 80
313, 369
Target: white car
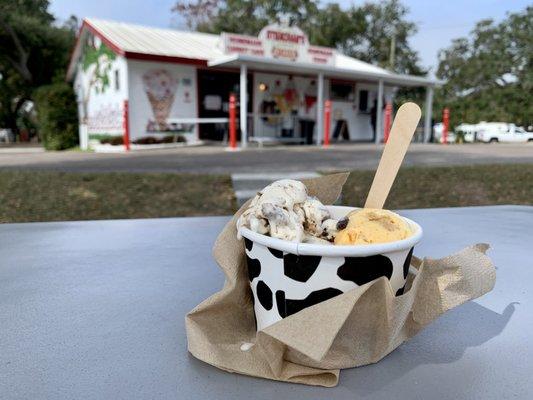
499, 132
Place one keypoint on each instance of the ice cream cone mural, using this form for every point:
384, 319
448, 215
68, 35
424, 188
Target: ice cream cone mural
160, 87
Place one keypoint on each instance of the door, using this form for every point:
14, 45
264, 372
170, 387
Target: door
214, 89
519, 135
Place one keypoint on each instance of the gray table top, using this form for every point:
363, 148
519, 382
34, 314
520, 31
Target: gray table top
95, 310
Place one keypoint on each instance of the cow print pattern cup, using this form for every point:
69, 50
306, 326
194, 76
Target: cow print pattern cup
284, 283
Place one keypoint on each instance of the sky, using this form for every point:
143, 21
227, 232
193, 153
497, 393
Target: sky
438, 21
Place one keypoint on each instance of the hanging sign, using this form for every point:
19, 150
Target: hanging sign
283, 42
241, 44
288, 43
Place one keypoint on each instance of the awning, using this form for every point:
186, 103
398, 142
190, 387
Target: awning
276, 65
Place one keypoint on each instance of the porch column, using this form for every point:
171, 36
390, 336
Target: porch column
428, 113
243, 116
379, 113
320, 109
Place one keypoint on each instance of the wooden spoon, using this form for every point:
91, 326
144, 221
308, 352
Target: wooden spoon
403, 129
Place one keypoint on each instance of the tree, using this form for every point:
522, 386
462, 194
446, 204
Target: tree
33, 52
243, 16
489, 75
57, 115
365, 32
385, 27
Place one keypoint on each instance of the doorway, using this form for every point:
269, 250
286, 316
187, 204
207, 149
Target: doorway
214, 88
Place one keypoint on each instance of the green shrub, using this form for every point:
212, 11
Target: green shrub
57, 116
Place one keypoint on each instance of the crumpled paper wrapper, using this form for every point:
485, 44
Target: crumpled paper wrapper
356, 328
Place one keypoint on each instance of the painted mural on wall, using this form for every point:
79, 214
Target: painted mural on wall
106, 119
160, 87
283, 102
279, 102
96, 63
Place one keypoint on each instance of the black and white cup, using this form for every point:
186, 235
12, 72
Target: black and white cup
287, 277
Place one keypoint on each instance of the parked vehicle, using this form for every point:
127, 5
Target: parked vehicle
491, 132
467, 131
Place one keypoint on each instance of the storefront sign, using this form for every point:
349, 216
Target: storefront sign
285, 43
281, 42
321, 55
241, 44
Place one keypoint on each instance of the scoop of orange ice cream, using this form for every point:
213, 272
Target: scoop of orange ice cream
369, 225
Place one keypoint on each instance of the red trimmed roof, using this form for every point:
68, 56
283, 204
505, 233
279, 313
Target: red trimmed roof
144, 43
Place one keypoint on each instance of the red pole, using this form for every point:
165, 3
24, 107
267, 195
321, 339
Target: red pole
445, 125
327, 122
232, 123
126, 127
388, 117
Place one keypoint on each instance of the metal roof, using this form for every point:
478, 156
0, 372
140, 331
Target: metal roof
141, 42
156, 41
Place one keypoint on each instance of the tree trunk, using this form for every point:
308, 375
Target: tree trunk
21, 65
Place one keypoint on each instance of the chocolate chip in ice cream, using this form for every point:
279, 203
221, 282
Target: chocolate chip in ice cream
342, 224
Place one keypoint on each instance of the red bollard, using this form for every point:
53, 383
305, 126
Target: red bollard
327, 121
388, 118
126, 127
445, 125
232, 123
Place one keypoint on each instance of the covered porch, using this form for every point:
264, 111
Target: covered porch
285, 100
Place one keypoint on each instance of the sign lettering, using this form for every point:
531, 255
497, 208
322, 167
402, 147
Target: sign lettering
279, 42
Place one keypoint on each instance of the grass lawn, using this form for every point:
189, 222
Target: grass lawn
54, 196
424, 187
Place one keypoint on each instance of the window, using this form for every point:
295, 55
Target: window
117, 80
342, 91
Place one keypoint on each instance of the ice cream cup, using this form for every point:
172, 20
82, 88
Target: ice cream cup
286, 277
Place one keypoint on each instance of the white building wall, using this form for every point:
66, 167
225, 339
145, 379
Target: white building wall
359, 122
104, 108
183, 104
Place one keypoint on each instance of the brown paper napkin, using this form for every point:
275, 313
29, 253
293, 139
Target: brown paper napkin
356, 328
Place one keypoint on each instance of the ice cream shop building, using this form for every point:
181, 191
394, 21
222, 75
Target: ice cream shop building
140, 86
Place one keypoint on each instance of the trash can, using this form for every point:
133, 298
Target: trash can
307, 126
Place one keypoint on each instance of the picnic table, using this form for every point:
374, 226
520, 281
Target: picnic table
95, 310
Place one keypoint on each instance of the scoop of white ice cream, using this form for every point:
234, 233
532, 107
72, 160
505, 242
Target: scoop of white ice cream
284, 210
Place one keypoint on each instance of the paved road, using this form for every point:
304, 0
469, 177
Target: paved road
214, 159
